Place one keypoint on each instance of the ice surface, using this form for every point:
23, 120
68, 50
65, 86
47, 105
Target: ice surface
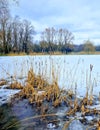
5, 95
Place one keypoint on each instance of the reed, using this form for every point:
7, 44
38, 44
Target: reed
44, 94
3, 82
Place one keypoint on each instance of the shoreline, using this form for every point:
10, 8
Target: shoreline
55, 53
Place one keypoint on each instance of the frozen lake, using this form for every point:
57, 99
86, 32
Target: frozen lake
71, 71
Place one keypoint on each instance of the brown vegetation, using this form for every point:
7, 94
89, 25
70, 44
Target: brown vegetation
41, 94
3, 82
45, 97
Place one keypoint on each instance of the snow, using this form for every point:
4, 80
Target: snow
97, 107
51, 126
6, 94
71, 71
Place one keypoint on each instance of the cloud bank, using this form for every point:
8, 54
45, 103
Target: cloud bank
81, 17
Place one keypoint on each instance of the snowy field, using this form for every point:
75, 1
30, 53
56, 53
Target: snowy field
72, 72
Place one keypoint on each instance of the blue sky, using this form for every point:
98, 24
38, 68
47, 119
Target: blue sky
81, 17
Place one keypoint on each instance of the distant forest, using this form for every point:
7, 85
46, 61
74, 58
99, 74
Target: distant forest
17, 35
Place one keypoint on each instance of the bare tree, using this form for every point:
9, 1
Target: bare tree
49, 36
15, 33
4, 17
9, 36
28, 34
21, 36
62, 37
68, 38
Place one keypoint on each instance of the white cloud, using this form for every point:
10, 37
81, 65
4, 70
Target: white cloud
82, 17
39, 27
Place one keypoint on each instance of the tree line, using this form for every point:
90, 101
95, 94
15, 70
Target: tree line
16, 35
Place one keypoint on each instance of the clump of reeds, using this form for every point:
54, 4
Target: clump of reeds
15, 85
38, 91
36, 81
89, 87
3, 82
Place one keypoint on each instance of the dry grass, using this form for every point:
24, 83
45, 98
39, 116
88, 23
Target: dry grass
38, 91
54, 53
16, 85
3, 82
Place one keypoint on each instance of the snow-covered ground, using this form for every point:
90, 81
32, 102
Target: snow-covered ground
6, 94
71, 72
